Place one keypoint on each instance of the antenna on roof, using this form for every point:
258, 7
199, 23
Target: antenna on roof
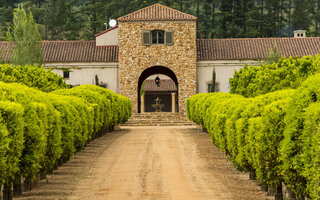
112, 23
106, 25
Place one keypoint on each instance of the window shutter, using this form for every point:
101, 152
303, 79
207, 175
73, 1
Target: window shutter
146, 37
169, 37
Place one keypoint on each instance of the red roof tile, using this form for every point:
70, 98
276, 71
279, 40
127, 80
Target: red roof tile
157, 12
72, 51
96, 35
5, 52
215, 49
166, 85
255, 48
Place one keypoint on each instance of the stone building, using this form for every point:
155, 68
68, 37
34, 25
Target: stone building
158, 41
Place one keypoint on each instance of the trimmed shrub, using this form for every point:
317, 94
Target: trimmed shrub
11, 140
100, 104
40, 130
310, 139
287, 73
68, 125
4, 146
273, 135
120, 105
267, 161
292, 145
32, 76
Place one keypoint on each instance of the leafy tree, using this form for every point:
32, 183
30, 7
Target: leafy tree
25, 38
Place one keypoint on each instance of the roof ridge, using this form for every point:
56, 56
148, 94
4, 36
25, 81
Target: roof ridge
187, 16
119, 19
174, 10
105, 31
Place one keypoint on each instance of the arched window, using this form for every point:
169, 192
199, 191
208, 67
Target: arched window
157, 37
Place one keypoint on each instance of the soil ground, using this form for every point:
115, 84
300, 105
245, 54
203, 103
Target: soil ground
148, 163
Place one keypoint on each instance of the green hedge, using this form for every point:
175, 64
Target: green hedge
11, 139
276, 135
40, 130
293, 149
32, 76
287, 73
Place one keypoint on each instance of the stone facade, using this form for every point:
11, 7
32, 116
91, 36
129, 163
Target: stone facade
134, 57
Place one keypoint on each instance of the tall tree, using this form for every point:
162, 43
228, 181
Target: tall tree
301, 14
25, 39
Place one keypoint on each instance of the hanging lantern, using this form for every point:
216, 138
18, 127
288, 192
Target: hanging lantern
157, 80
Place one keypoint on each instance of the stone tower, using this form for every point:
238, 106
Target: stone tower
157, 40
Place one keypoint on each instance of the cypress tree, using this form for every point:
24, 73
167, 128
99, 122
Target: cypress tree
25, 38
213, 86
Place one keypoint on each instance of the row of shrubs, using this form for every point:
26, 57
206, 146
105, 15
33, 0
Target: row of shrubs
32, 76
275, 136
39, 130
288, 73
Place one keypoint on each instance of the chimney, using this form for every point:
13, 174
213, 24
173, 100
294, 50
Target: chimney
299, 33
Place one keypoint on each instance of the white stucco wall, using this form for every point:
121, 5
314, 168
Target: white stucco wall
84, 73
109, 38
224, 71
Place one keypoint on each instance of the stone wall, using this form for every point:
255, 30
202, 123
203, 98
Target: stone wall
180, 57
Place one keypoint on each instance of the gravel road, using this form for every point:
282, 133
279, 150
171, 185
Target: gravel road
148, 163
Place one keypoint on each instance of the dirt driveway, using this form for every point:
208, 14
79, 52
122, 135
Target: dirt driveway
148, 163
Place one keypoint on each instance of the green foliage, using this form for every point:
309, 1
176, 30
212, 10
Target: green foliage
310, 150
267, 158
292, 148
77, 20
96, 80
142, 91
287, 73
32, 76
25, 39
39, 130
121, 106
275, 135
11, 139
274, 55
213, 83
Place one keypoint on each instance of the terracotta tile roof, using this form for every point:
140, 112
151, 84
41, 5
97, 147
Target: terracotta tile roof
157, 12
166, 85
96, 35
255, 48
4, 52
215, 49
73, 51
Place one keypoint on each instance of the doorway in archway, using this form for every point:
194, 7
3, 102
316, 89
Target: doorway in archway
167, 90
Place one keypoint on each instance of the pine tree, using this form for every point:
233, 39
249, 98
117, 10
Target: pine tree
301, 14
25, 38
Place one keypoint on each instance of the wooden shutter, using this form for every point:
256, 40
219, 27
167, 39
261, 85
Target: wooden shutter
146, 37
169, 37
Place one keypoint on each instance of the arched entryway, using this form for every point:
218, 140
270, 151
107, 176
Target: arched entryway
158, 70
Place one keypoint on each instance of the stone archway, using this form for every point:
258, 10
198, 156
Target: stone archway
156, 70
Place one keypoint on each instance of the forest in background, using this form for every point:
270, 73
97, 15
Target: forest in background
82, 19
